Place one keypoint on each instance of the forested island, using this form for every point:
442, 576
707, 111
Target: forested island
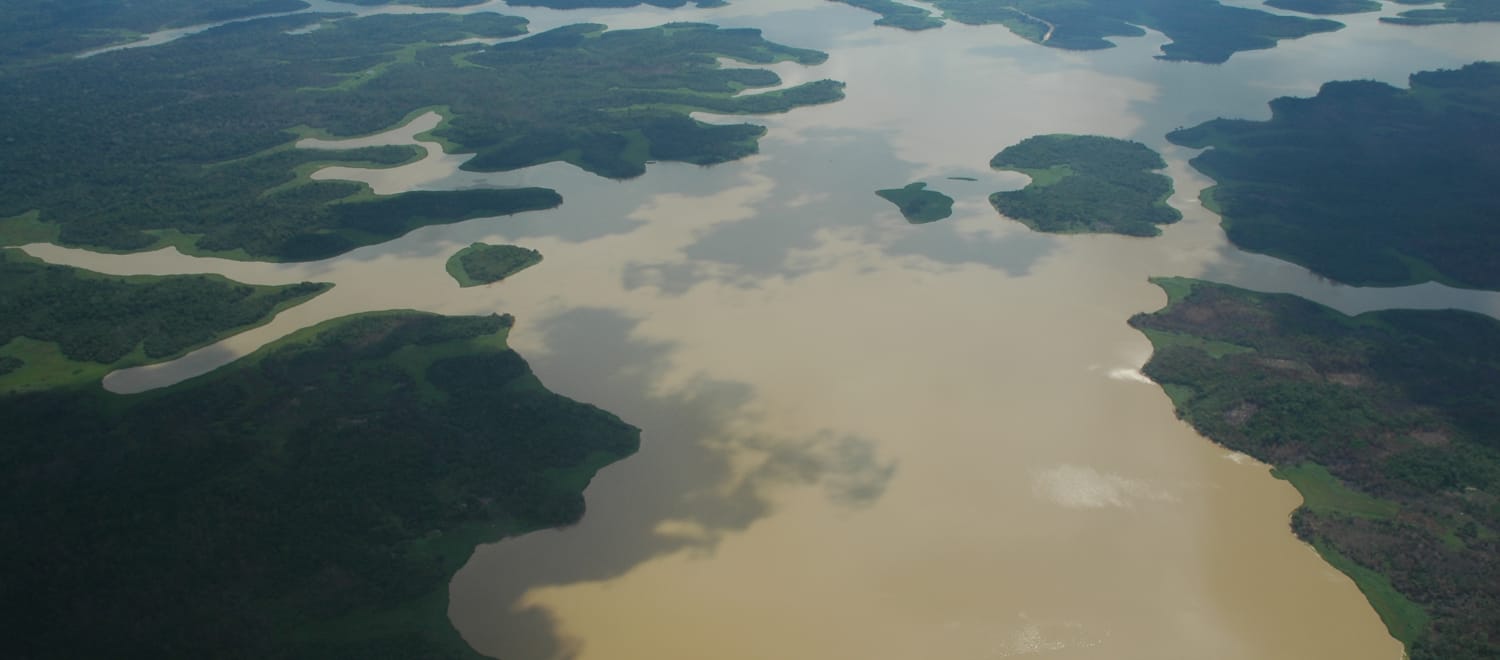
309, 501
482, 263
1086, 183
1326, 7
62, 326
207, 123
1388, 423
919, 205
1200, 30
1367, 183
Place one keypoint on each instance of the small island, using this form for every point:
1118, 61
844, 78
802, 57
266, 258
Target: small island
1086, 184
919, 205
1366, 183
1388, 423
482, 263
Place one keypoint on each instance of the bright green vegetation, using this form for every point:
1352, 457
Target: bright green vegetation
310, 501
1323, 493
1086, 183
918, 204
482, 264
1405, 620
1452, 11
190, 142
1388, 423
1200, 30
1326, 7
1366, 183
64, 325
896, 14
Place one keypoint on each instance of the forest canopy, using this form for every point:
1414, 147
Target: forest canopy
1366, 183
1086, 184
1387, 422
190, 143
309, 501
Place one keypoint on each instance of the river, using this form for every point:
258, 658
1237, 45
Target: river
868, 439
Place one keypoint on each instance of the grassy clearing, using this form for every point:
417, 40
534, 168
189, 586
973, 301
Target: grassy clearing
1404, 619
1324, 493
1161, 339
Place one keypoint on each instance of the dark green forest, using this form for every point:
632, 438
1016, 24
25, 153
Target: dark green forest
1326, 7
1450, 11
897, 14
309, 501
195, 136
1367, 183
1389, 424
1200, 30
1086, 184
919, 205
481, 263
121, 321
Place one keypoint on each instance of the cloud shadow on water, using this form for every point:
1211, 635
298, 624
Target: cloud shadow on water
686, 490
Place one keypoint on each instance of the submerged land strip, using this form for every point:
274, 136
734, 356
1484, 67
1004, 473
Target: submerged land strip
1086, 184
1387, 422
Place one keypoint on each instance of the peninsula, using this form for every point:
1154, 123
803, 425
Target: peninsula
311, 500
1366, 183
1388, 423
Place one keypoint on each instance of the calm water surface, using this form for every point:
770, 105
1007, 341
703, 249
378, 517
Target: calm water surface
862, 438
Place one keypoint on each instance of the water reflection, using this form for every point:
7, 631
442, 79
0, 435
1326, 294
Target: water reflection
864, 438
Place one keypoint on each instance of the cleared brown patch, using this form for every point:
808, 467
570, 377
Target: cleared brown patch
1432, 438
1238, 415
1349, 379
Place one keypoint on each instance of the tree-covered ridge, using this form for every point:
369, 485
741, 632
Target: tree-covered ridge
118, 321
589, 4
1451, 11
39, 29
898, 14
917, 204
188, 142
1367, 183
1086, 183
310, 501
1200, 30
481, 263
1326, 7
1387, 422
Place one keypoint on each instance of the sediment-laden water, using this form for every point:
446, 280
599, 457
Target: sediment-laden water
868, 439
